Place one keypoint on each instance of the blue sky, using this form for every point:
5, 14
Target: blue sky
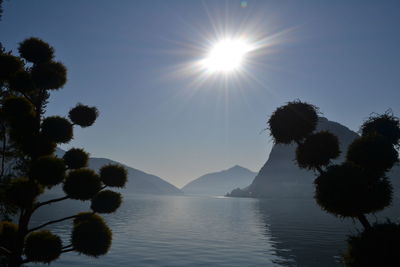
132, 59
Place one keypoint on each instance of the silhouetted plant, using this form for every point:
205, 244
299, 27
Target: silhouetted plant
353, 188
293, 122
376, 246
25, 90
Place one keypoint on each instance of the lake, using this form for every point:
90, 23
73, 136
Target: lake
212, 231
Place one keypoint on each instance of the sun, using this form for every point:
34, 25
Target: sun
226, 55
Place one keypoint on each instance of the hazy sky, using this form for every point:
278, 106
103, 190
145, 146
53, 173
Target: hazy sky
134, 61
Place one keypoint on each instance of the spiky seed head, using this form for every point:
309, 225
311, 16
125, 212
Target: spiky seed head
48, 170
293, 122
57, 129
42, 246
347, 190
91, 236
114, 175
49, 75
82, 184
35, 50
372, 152
376, 246
9, 65
22, 192
8, 235
317, 150
76, 158
83, 115
106, 201
385, 125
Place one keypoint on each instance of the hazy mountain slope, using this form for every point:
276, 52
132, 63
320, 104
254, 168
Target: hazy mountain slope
280, 176
219, 183
138, 181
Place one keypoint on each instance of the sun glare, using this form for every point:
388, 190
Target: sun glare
226, 55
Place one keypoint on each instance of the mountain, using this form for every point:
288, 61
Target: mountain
281, 177
139, 182
219, 183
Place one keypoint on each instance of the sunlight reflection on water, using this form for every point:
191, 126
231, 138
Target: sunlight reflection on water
211, 231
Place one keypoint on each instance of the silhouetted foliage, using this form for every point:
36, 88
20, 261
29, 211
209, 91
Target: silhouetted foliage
23, 191
82, 184
372, 152
22, 81
9, 65
90, 235
49, 75
106, 201
317, 150
8, 235
48, 170
293, 122
351, 189
42, 246
36, 51
386, 125
82, 115
113, 175
57, 129
376, 246
30, 140
347, 190
76, 158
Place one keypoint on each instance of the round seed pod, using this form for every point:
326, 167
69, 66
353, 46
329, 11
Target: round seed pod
22, 82
22, 192
76, 158
385, 125
91, 236
48, 170
113, 175
377, 246
9, 65
83, 116
106, 201
49, 75
347, 191
372, 152
42, 246
8, 235
82, 184
35, 50
293, 122
317, 150
57, 129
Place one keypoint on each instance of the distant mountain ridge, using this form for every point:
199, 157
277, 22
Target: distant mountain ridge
281, 177
219, 183
139, 182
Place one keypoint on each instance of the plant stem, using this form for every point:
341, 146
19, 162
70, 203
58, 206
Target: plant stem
51, 222
38, 205
363, 220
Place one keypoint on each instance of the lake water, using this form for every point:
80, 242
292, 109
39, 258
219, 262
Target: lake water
212, 231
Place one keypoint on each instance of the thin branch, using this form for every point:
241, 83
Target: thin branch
3, 156
27, 97
4, 251
67, 246
67, 250
51, 222
39, 204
